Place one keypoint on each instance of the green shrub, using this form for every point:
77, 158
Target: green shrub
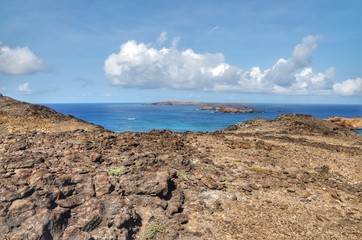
150, 234
184, 175
138, 162
116, 171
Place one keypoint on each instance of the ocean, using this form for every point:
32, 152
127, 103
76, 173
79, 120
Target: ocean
137, 117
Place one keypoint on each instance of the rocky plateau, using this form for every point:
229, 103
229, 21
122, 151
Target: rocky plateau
295, 177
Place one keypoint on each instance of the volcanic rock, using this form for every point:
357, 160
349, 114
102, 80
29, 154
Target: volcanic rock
296, 177
351, 123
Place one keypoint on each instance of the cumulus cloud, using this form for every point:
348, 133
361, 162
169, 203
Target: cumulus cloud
18, 61
303, 51
162, 38
138, 65
24, 88
349, 87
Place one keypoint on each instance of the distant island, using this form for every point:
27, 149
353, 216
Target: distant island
182, 103
230, 109
209, 106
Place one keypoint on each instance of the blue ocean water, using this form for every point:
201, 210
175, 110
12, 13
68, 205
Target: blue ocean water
122, 117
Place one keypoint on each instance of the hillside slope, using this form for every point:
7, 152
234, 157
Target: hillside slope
18, 117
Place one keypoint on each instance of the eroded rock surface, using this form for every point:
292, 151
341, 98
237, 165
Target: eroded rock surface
296, 177
351, 123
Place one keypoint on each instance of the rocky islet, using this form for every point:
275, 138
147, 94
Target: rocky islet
230, 109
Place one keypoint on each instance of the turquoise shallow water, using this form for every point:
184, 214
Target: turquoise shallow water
121, 117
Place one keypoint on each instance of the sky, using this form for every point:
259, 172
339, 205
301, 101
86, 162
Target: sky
248, 51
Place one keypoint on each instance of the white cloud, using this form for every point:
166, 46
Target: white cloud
296, 72
138, 65
212, 30
24, 88
175, 42
303, 51
162, 38
349, 87
18, 61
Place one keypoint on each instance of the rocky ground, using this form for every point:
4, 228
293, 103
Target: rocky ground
351, 123
20, 117
296, 177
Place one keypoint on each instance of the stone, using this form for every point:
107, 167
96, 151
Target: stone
247, 188
89, 215
23, 174
102, 185
244, 175
21, 205
209, 183
45, 224
154, 184
181, 218
86, 187
96, 157
233, 197
345, 222
176, 202
71, 201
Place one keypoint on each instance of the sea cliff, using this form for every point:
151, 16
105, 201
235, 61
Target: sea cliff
295, 177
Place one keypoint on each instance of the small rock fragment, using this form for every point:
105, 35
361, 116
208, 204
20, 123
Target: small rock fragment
247, 188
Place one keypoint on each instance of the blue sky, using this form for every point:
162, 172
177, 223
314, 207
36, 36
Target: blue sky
301, 51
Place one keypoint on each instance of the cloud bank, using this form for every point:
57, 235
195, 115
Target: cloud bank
19, 61
138, 65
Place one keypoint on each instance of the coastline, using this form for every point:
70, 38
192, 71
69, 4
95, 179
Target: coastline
115, 116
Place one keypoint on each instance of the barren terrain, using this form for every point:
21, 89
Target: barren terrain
296, 177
